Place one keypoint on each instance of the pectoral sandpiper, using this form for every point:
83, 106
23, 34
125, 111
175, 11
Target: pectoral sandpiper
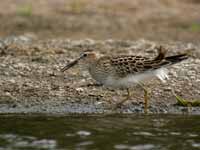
127, 71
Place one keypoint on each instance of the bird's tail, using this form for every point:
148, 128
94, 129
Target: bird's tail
176, 58
162, 60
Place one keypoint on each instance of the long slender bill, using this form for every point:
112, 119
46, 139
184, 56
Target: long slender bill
71, 64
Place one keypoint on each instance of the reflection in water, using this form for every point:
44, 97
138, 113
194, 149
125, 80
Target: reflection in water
116, 132
17, 141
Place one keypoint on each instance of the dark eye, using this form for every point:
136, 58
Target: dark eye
84, 55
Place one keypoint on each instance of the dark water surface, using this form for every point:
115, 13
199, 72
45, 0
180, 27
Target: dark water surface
137, 132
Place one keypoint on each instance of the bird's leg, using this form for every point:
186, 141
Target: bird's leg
146, 92
124, 100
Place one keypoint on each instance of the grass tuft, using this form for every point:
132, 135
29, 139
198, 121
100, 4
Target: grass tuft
25, 10
195, 27
186, 103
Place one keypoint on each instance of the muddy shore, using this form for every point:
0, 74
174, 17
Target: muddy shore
31, 81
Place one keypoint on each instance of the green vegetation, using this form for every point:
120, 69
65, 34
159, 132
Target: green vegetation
186, 103
77, 6
195, 27
25, 10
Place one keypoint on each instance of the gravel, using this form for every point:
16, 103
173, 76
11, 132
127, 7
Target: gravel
31, 81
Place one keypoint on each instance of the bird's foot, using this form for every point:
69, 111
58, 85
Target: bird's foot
119, 104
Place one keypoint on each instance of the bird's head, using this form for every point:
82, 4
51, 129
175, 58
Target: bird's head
86, 58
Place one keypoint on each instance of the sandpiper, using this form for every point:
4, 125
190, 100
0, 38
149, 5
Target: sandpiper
127, 71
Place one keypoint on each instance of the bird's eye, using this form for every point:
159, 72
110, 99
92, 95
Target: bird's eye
84, 55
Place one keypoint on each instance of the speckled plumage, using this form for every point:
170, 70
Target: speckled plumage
126, 71
115, 70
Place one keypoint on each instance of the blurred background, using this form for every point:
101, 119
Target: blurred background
31, 81
159, 20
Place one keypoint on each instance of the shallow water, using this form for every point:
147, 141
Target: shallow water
136, 132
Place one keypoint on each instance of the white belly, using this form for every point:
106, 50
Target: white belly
133, 80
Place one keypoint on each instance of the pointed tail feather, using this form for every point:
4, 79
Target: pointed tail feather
170, 60
176, 58
161, 53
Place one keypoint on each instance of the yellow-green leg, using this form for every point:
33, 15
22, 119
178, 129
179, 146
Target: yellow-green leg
124, 100
145, 100
145, 97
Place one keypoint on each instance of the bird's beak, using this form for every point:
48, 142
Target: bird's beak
71, 64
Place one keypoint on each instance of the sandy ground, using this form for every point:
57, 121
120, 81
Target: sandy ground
37, 39
157, 20
31, 80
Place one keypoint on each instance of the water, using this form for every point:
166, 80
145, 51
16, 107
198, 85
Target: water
138, 132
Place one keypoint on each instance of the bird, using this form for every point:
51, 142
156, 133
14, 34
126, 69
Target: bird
127, 71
